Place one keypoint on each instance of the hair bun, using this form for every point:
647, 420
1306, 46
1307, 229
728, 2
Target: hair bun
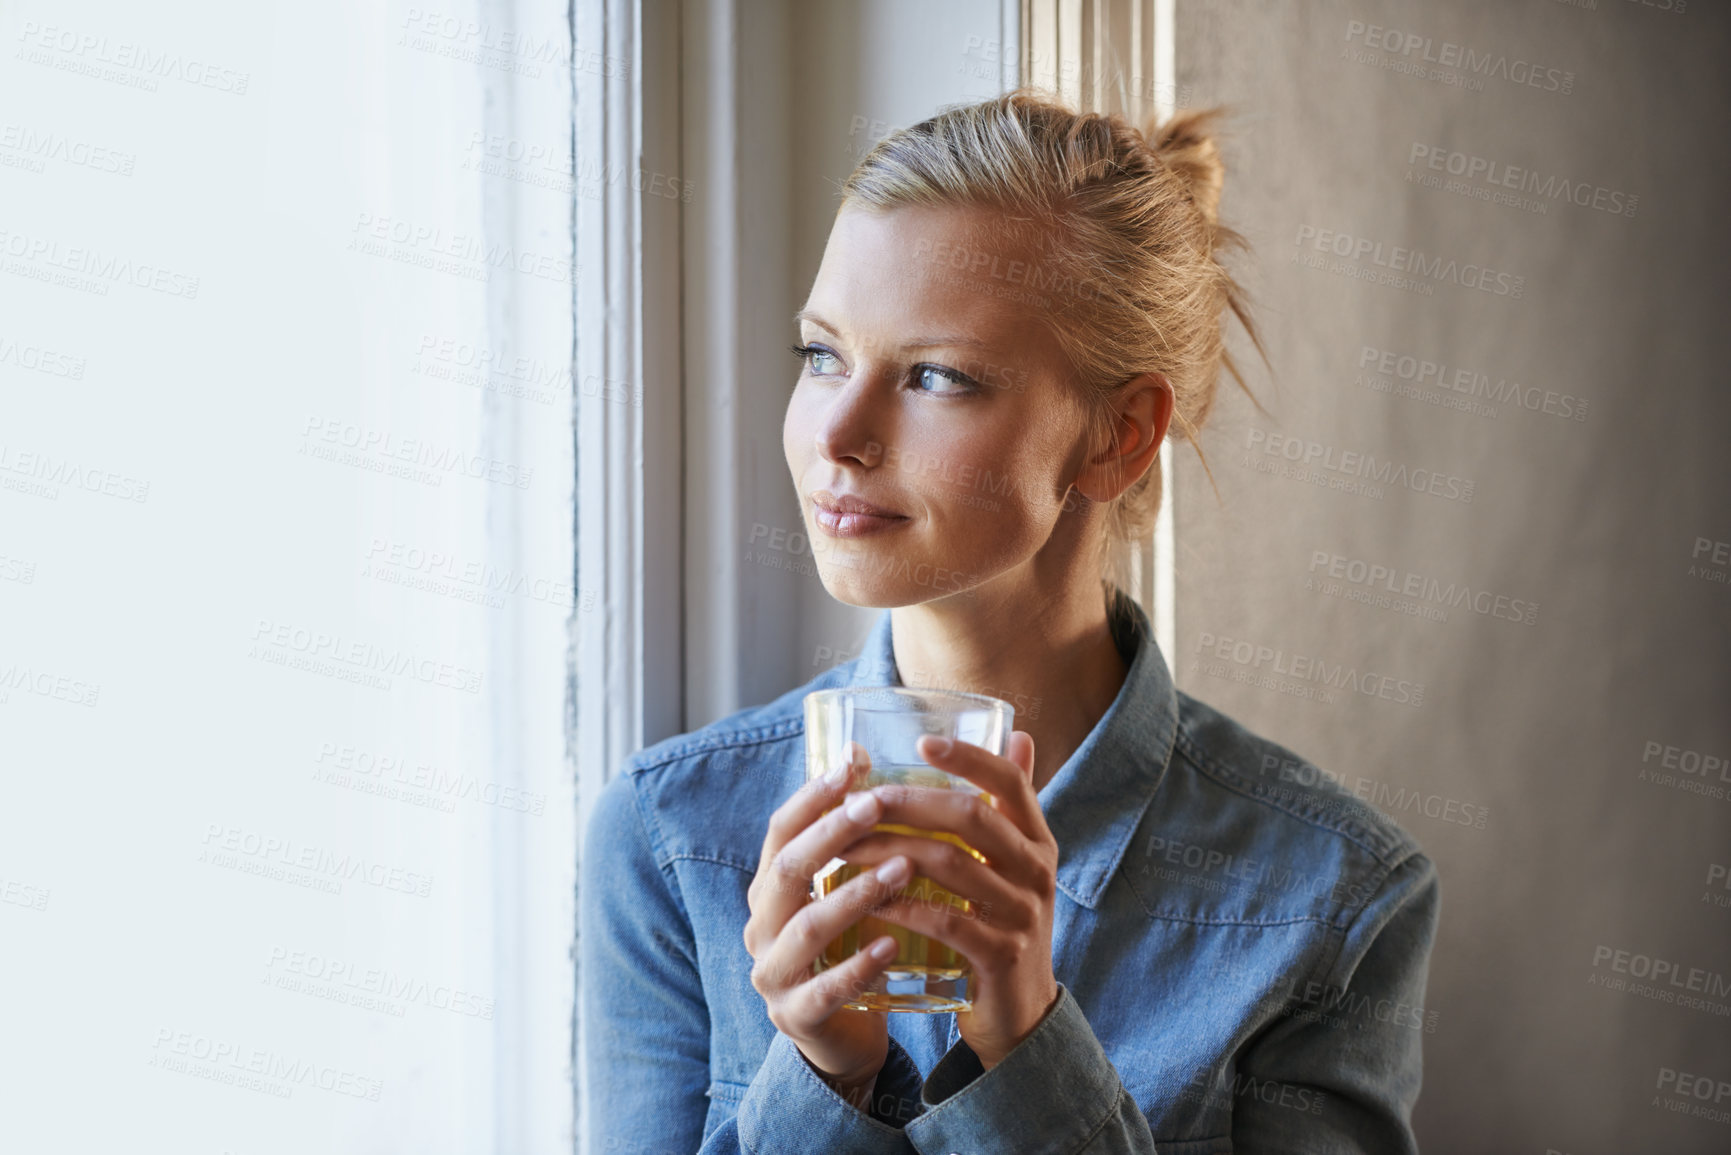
1186, 143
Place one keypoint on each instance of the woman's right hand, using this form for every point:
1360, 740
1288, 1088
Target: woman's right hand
788, 930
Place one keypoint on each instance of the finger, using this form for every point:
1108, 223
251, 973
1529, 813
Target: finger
788, 961
810, 801
814, 847
988, 893
998, 775
1009, 784
820, 997
968, 816
967, 933
777, 887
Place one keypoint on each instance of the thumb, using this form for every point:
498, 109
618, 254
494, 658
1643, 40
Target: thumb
1020, 750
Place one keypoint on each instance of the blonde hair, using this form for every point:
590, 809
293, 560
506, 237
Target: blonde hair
1126, 225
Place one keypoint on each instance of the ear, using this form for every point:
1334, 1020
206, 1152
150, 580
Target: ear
1141, 413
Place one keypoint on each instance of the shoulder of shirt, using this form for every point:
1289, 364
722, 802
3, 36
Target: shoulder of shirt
1282, 788
702, 794
779, 720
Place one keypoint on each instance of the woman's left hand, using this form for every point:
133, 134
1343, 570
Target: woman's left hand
1008, 935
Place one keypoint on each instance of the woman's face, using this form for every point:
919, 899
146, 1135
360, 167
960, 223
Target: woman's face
931, 393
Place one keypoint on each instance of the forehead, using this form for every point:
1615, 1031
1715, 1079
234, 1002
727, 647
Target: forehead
893, 275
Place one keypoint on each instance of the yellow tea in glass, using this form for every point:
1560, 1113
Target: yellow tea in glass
878, 727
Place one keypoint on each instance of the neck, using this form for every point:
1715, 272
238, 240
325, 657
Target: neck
1051, 657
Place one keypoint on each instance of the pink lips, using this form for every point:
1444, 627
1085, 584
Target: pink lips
848, 516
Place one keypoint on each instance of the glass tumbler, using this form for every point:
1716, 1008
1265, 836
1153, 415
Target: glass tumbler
885, 723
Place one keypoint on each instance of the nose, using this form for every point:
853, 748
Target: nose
856, 418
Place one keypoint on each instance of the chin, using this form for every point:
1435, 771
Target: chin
855, 589
890, 583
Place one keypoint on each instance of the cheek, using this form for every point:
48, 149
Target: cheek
998, 473
794, 440
990, 505
988, 523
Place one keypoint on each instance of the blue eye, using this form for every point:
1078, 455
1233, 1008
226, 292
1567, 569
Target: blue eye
929, 374
821, 361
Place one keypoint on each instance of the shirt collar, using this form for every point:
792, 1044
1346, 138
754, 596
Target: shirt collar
1097, 798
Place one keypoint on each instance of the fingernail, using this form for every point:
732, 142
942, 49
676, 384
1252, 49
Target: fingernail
894, 872
836, 776
884, 949
939, 747
862, 807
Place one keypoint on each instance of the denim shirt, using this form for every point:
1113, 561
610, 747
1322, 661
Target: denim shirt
1240, 949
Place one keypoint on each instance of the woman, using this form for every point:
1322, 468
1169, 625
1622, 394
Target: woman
1183, 948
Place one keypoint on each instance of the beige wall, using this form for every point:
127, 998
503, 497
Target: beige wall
1589, 501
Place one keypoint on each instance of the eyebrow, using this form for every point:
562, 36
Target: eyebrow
911, 343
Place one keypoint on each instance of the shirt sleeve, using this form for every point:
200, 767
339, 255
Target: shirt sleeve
1340, 1074
648, 1032
790, 1110
644, 1014
1055, 1093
